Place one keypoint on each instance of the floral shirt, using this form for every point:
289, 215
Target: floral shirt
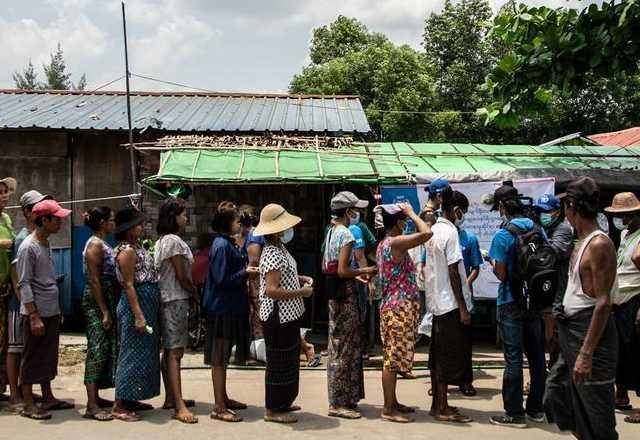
145, 271
397, 279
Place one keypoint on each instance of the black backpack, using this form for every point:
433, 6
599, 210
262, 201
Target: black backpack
534, 276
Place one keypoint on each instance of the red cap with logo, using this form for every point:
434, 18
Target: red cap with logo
49, 207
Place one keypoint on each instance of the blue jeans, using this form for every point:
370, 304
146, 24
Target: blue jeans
522, 333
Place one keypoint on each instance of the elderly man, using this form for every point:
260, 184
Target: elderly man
626, 211
580, 395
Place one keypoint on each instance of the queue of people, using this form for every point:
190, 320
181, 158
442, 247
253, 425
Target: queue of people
564, 291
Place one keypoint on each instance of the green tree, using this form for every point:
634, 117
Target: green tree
558, 52
455, 42
342, 36
28, 79
55, 72
392, 82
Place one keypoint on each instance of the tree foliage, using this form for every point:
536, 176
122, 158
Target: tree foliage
28, 79
385, 76
455, 42
559, 52
55, 73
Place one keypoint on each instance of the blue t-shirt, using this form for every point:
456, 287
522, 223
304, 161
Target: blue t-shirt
502, 248
358, 243
471, 254
252, 239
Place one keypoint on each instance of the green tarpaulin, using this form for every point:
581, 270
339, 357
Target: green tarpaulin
390, 163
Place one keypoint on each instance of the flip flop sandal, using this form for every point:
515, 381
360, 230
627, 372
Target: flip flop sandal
226, 416
99, 416
60, 405
405, 409
633, 418
292, 408
15, 408
406, 375
454, 418
189, 420
235, 405
344, 414
281, 418
396, 419
624, 406
36, 415
315, 362
126, 417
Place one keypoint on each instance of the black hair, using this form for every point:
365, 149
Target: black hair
513, 207
95, 216
587, 208
226, 213
390, 220
169, 210
39, 221
448, 202
460, 200
248, 217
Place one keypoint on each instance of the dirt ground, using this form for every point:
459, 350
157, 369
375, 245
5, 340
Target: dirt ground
247, 385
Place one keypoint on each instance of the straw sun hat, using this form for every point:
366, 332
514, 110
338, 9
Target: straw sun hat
624, 203
273, 219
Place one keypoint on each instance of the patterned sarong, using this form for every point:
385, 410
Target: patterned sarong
398, 329
138, 370
102, 345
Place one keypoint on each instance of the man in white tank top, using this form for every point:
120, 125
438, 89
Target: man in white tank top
625, 209
580, 388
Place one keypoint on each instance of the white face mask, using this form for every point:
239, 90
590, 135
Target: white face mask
619, 223
287, 236
355, 220
459, 222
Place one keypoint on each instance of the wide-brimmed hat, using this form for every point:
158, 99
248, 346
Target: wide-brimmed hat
127, 218
10, 183
624, 203
273, 219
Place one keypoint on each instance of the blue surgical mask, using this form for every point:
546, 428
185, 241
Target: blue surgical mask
459, 222
619, 223
287, 236
546, 219
354, 220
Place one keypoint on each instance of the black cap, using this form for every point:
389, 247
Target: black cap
504, 193
583, 188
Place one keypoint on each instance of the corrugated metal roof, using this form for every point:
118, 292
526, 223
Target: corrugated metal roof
182, 112
623, 138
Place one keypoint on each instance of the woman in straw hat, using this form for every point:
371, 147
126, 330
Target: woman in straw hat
138, 370
281, 307
625, 210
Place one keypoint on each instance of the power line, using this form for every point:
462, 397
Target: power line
419, 112
106, 84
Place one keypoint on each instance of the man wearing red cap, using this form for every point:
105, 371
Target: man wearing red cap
39, 306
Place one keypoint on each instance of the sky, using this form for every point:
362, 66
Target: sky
221, 45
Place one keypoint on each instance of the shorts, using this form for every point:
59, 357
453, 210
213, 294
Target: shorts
174, 321
14, 324
399, 329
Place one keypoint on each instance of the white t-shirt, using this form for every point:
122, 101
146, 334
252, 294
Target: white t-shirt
169, 246
443, 250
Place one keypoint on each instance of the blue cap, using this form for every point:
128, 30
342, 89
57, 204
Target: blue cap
437, 185
548, 202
